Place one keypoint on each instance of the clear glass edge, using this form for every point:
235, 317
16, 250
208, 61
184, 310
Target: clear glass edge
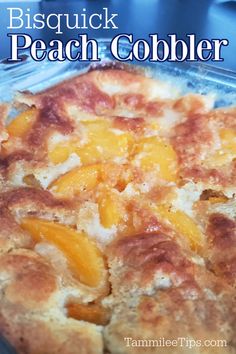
190, 76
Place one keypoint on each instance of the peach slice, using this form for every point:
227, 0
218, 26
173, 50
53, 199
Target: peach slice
109, 209
61, 152
85, 178
102, 145
82, 254
215, 200
183, 224
22, 123
228, 138
94, 313
155, 153
78, 180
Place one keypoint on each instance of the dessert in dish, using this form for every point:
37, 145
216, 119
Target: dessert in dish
117, 217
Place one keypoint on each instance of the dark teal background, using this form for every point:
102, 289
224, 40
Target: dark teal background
206, 18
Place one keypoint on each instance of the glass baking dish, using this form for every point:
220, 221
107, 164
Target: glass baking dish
185, 76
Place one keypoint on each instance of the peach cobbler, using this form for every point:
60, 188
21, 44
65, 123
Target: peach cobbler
117, 217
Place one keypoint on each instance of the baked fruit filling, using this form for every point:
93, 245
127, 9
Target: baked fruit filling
73, 245
118, 217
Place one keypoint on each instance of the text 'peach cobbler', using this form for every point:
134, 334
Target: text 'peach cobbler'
118, 217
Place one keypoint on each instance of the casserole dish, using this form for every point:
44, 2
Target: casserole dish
117, 207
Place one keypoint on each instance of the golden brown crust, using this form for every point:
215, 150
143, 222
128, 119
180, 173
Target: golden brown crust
224, 116
29, 281
80, 91
4, 109
32, 310
141, 258
184, 300
50, 117
136, 125
193, 140
48, 336
26, 201
222, 246
11, 235
170, 316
